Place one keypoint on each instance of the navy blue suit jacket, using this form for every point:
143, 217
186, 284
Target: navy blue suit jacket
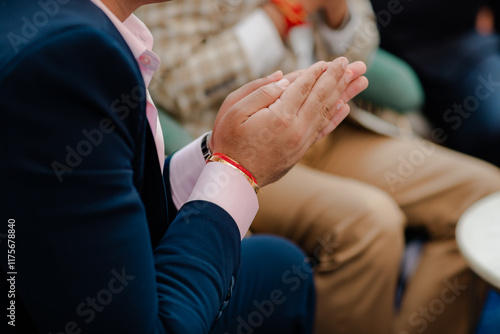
97, 247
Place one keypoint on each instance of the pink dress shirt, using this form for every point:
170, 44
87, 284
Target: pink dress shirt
191, 178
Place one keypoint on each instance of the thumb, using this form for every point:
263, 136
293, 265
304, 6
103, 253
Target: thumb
262, 97
249, 88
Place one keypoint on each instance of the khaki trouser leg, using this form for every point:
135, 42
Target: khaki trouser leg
453, 294
353, 234
433, 186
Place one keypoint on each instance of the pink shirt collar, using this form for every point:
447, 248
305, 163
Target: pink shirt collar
140, 41
138, 38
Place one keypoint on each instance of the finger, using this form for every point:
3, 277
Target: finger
358, 68
342, 110
295, 95
340, 87
293, 75
261, 98
251, 87
330, 108
355, 87
325, 94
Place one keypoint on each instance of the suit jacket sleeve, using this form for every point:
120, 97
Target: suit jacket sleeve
70, 146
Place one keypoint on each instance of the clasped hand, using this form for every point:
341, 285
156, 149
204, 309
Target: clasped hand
268, 124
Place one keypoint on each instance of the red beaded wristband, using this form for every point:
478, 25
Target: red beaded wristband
293, 11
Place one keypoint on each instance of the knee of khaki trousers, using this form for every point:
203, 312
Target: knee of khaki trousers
353, 235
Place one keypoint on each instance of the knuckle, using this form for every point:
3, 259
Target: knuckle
320, 102
296, 137
324, 111
322, 94
304, 89
231, 96
280, 124
278, 120
265, 93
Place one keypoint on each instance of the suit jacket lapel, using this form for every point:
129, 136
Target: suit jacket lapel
153, 192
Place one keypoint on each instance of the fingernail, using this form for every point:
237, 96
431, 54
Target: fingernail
344, 63
275, 74
283, 83
340, 104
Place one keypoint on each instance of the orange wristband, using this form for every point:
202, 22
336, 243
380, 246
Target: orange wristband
220, 157
293, 11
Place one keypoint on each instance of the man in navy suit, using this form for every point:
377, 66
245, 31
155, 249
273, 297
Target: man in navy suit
104, 235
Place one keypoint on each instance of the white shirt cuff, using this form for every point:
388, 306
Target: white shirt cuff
338, 40
261, 42
229, 189
186, 166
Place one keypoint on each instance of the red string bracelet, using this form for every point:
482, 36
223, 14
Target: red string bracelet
293, 11
220, 157
235, 164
